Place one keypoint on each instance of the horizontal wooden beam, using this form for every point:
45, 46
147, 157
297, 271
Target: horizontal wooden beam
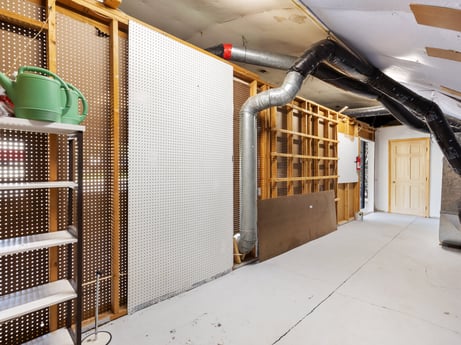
22, 21
289, 155
303, 178
96, 10
307, 111
304, 135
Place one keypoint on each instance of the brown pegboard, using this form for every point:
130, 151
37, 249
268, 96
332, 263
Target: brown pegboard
23, 158
30, 9
83, 60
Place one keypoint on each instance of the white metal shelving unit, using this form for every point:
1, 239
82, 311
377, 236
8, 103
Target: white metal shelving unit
29, 300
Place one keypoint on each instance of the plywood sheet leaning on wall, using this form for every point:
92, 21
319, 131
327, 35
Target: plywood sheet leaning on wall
288, 222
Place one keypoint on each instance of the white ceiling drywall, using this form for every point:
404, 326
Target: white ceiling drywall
385, 32
388, 35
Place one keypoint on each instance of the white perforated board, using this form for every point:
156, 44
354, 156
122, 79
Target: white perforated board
180, 167
348, 150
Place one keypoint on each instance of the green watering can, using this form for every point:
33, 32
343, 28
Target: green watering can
36, 94
73, 116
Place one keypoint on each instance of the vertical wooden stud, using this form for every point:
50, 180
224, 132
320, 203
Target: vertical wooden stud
316, 148
304, 148
290, 186
115, 90
53, 256
274, 172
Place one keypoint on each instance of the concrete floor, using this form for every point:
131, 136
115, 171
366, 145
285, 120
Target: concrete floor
385, 280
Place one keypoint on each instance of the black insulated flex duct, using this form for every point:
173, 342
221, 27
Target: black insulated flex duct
323, 72
430, 111
415, 109
344, 82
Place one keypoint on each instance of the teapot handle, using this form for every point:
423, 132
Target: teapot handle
46, 72
84, 102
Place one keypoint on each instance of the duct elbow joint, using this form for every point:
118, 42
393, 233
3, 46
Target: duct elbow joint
247, 241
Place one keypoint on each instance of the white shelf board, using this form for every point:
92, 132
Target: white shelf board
58, 337
15, 123
38, 185
39, 241
26, 301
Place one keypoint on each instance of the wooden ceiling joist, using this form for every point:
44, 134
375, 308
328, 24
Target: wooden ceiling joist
444, 54
96, 10
436, 16
453, 92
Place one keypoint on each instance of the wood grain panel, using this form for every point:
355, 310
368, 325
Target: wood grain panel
288, 222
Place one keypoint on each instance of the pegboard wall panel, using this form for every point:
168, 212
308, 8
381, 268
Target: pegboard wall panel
26, 8
23, 158
83, 60
180, 167
123, 168
19, 43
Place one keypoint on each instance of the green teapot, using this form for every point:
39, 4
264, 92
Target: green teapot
36, 94
73, 116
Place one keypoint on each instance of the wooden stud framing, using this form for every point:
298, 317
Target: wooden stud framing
53, 147
95, 9
22, 21
304, 148
115, 90
290, 136
274, 161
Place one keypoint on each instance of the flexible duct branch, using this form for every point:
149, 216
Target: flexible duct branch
302, 67
253, 57
342, 81
248, 153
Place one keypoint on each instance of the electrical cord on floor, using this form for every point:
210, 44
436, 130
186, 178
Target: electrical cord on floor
97, 340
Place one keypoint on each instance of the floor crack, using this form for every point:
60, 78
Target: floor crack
344, 282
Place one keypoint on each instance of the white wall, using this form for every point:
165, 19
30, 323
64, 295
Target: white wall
383, 135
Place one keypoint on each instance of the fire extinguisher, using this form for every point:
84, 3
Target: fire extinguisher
357, 163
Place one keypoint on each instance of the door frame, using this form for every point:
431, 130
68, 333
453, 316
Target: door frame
427, 140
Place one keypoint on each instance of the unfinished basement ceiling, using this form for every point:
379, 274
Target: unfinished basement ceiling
416, 45
279, 26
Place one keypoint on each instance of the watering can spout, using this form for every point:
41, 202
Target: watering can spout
7, 84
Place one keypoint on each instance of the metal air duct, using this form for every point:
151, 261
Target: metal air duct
357, 75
